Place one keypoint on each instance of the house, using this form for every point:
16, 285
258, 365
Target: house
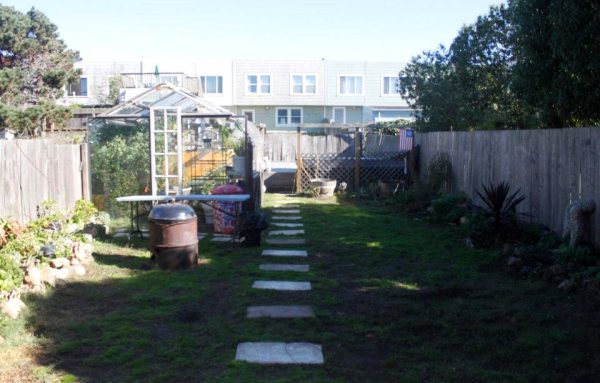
278, 93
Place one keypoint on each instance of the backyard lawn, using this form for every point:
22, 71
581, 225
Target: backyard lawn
397, 299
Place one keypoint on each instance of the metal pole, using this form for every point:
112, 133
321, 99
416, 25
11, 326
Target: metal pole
298, 161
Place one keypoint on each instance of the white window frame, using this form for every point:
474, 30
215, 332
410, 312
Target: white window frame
289, 116
217, 77
343, 108
339, 82
383, 77
251, 111
258, 84
304, 84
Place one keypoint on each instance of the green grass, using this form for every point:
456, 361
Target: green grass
397, 300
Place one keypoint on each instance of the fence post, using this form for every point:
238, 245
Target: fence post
298, 161
86, 179
357, 150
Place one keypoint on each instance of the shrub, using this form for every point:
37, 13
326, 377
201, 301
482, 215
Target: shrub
416, 198
579, 255
11, 274
449, 208
439, 174
501, 204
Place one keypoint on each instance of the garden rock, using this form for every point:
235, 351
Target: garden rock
464, 220
12, 307
33, 277
514, 262
577, 221
62, 273
526, 270
79, 270
567, 285
47, 275
58, 263
469, 243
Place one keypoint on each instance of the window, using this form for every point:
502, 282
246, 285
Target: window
390, 86
212, 84
303, 84
78, 88
339, 115
249, 113
350, 85
289, 116
258, 84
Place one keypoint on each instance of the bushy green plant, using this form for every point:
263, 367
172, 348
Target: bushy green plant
480, 229
83, 212
449, 208
579, 255
121, 167
439, 174
11, 274
416, 198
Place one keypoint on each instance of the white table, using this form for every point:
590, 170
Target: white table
202, 198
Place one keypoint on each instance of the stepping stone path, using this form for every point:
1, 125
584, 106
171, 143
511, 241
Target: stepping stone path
280, 312
284, 267
285, 253
279, 353
285, 224
270, 352
286, 232
282, 285
285, 241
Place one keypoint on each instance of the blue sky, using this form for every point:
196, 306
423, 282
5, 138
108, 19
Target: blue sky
374, 30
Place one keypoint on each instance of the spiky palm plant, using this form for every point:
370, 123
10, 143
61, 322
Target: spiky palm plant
499, 202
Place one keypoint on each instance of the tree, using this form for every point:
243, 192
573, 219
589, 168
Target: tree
557, 70
35, 65
468, 85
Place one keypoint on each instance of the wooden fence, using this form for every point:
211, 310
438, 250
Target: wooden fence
32, 171
552, 167
281, 147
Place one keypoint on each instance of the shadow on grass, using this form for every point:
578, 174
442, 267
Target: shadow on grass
396, 300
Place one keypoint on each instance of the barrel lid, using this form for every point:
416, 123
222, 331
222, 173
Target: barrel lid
172, 212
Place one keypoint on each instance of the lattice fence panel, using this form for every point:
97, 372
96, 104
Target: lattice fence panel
374, 167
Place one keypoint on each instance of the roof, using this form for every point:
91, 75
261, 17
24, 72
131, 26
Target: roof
166, 95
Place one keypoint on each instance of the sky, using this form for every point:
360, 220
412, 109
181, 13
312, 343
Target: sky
188, 30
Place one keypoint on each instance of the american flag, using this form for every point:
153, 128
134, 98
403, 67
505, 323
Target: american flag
406, 139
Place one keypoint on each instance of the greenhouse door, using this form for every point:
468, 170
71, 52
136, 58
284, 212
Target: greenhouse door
166, 151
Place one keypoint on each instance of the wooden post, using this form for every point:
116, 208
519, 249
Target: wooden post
86, 179
298, 161
357, 150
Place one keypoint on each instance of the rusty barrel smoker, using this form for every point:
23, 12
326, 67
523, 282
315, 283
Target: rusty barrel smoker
173, 236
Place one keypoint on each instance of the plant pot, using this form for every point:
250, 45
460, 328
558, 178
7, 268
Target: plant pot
387, 188
239, 166
325, 186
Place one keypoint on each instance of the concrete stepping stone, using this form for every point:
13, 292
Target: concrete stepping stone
121, 235
289, 206
284, 267
286, 232
285, 224
282, 285
285, 241
286, 211
279, 353
284, 253
286, 217
280, 312
224, 238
